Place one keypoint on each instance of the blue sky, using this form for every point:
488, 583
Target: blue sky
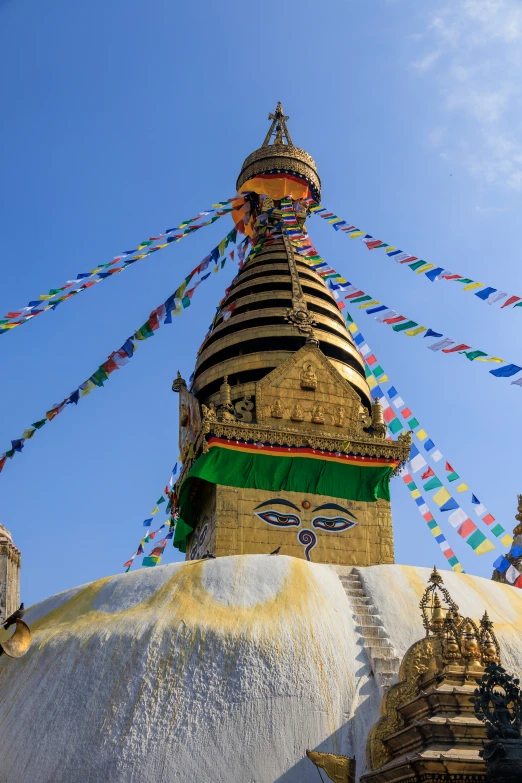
121, 119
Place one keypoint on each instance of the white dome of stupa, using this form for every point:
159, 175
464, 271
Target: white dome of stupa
221, 671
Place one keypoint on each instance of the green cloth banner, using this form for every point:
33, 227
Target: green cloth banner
237, 468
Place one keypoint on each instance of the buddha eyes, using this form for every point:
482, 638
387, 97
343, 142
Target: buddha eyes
332, 523
276, 518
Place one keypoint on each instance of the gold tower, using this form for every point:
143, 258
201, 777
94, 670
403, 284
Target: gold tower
281, 445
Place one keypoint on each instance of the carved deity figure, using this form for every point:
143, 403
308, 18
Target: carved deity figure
209, 413
297, 413
276, 411
318, 413
183, 415
308, 377
339, 416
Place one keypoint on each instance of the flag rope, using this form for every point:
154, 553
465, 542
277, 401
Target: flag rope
444, 500
433, 273
174, 305
386, 315
51, 300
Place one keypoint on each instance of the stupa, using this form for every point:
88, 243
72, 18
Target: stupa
231, 668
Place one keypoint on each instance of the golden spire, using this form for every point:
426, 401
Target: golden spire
278, 127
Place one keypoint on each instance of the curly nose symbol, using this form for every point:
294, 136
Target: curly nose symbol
308, 539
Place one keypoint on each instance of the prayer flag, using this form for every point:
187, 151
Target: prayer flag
449, 505
457, 517
512, 574
433, 483
501, 564
507, 371
427, 474
441, 496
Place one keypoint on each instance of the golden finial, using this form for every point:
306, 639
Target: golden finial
278, 127
378, 425
435, 577
437, 614
178, 382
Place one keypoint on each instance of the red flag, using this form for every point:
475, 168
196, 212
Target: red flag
427, 474
449, 468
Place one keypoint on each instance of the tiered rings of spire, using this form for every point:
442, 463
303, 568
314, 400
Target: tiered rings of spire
277, 302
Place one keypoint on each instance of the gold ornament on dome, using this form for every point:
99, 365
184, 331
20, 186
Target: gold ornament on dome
340, 769
308, 377
453, 646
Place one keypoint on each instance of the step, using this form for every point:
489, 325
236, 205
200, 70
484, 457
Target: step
365, 610
360, 600
385, 681
350, 578
370, 620
385, 665
382, 652
371, 631
355, 592
379, 642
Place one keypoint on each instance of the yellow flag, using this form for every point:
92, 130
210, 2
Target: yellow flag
471, 286
43, 297
462, 487
458, 568
436, 531
441, 496
368, 304
415, 494
357, 234
372, 383
425, 268
155, 511
222, 247
352, 328
88, 389
506, 540
415, 332
490, 359
389, 249
383, 378
486, 546
421, 434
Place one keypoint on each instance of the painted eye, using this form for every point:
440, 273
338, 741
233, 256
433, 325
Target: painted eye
278, 519
333, 523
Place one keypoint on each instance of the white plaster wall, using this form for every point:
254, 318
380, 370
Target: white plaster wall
217, 671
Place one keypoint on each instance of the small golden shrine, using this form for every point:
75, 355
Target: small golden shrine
428, 730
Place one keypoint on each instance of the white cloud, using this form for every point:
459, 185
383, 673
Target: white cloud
428, 61
474, 51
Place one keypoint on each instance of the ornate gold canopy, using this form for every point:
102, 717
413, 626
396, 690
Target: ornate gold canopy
280, 157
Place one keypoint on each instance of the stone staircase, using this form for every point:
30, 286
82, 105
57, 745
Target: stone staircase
382, 656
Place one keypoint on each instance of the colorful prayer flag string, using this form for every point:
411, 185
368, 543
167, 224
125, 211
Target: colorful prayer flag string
174, 305
431, 271
467, 529
442, 498
51, 300
170, 509
435, 530
386, 315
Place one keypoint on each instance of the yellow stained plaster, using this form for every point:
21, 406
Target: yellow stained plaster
201, 624
186, 600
